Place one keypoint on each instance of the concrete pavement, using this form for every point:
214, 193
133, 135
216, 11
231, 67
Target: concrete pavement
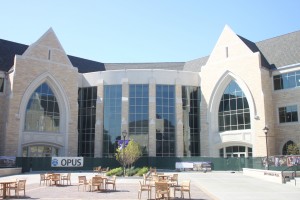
204, 186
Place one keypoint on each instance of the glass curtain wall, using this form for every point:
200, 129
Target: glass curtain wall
112, 118
139, 115
165, 120
191, 97
87, 98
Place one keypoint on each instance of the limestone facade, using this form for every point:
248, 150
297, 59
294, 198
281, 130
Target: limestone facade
232, 59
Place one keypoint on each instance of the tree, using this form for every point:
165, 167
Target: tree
292, 149
128, 155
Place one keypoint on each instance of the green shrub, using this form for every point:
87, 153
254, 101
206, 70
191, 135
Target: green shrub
116, 171
132, 171
142, 171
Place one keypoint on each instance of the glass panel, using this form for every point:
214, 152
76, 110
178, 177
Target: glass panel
87, 118
139, 124
40, 111
1, 84
165, 118
288, 114
235, 109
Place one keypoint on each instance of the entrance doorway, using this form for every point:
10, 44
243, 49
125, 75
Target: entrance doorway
236, 152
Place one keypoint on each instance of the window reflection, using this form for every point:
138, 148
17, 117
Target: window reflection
42, 111
1, 84
87, 98
112, 118
191, 96
40, 151
234, 112
138, 114
165, 120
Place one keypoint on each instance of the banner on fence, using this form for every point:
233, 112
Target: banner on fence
7, 161
286, 160
67, 162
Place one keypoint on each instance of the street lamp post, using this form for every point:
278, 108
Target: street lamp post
124, 134
266, 129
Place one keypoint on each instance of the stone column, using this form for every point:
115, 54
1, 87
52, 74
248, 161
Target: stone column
179, 125
99, 121
125, 95
152, 118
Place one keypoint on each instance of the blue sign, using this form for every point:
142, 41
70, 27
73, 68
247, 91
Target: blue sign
120, 143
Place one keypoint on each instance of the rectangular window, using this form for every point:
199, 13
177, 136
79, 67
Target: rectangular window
286, 80
288, 114
112, 119
87, 98
138, 115
191, 97
165, 121
1, 84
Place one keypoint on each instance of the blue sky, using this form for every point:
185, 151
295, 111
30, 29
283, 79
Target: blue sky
122, 31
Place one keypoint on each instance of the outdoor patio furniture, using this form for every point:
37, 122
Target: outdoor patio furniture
44, 178
104, 170
144, 187
174, 178
82, 181
55, 178
162, 189
112, 182
5, 187
17, 187
97, 169
146, 179
185, 186
66, 178
96, 182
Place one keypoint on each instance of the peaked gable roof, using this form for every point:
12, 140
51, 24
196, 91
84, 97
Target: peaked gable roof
48, 47
228, 45
276, 52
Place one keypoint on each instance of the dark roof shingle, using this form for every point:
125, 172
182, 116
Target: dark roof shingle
276, 52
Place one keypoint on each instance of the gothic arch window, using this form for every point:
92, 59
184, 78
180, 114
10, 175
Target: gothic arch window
234, 112
286, 145
42, 111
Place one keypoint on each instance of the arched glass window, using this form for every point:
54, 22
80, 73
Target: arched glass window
234, 112
42, 111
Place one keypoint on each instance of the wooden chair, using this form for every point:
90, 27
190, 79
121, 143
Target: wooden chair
1, 190
104, 170
161, 189
184, 187
97, 169
96, 182
146, 179
144, 187
55, 178
20, 185
82, 181
44, 178
66, 178
174, 178
111, 182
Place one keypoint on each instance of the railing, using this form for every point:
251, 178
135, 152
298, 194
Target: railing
294, 170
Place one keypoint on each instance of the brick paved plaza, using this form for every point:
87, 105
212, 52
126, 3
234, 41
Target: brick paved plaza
126, 188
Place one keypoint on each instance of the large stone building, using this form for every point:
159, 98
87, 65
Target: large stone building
54, 104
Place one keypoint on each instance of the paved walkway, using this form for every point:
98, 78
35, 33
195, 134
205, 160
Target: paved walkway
204, 186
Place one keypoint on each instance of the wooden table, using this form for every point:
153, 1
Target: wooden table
104, 179
5, 186
163, 177
55, 178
